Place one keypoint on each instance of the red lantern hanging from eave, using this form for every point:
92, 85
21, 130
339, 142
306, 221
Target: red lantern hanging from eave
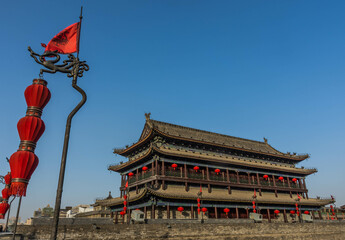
6, 193
125, 202
281, 178
199, 205
204, 209
217, 171
196, 168
30, 128
37, 95
294, 180
124, 208
8, 178
122, 213
174, 166
292, 212
4, 206
145, 168
266, 177
276, 211
130, 174
180, 209
23, 164
198, 200
125, 197
226, 210
306, 212
254, 211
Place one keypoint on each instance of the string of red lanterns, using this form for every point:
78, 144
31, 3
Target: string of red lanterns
30, 128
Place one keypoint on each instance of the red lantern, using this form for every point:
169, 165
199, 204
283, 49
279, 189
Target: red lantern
37, 94
254, 211
130, 174
7, 178
204, 209
125, 197
198, 200
266, 177
306, 212
294, 180
198, 205
281, 178
276, 211
226, 210
125, 202
331, 206
174, 166
217, 171
4, 206
145, 168
196, 168
122, 213
180, 209
292, 212
198, 210
23, 164
30, 128
254, 206
125, 208
253, 202
5, 193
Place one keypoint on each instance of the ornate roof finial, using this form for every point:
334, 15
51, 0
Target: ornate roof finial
265, 139
147, 116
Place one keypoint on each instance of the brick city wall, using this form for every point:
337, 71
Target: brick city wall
321, 230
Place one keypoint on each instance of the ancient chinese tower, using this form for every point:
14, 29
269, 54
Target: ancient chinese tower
174, 171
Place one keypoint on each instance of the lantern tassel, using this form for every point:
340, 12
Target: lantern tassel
18, 189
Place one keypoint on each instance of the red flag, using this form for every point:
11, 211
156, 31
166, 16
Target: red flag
126, 186
200, 189
66, 41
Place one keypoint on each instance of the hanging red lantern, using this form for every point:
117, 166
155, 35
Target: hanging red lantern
198, 210
198, 200
125, 202
5, 193
145, 168
281, 178
4, 206
226, 210
130, 174
276, 211
180, 209
122, 213
331, 206
217, 171
266, 177
292, 212
23, 164
204, 210
254, 206
125, 208
30, 128
199, 205
254, 211
125, 197
196, 168
306, 212
174, 166
253, 202
8, 178
294, 180
37, 95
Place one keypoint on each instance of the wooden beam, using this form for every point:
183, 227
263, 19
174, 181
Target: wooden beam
216, 212
237, 215
163, 168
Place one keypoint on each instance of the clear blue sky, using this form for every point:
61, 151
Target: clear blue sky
249, 69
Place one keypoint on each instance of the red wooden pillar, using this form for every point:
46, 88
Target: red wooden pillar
145, 212
285, 217
268, 215
249, 178
163, 168
208, 178
274, 181
305, 187
168, 211
216, 212
312, 213
238, 177
185, 176
153, 212
247, 210
257, 176
192, 212
237, 215
116, 218
288, 180
227, 175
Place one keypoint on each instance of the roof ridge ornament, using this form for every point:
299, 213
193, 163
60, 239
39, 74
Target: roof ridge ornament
147, 116
265, 139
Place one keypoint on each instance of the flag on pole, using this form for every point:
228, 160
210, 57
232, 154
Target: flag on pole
66, 41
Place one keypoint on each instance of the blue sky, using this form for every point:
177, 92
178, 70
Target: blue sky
249, 69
